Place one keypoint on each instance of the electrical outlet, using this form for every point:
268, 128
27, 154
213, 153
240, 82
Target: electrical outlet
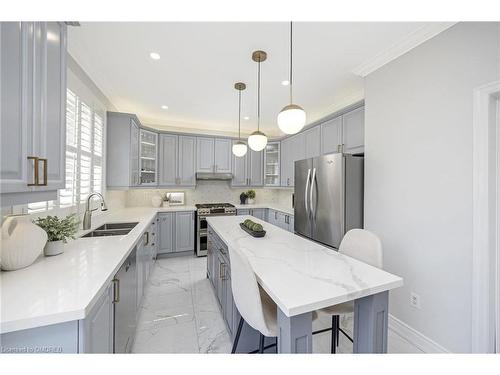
415, 300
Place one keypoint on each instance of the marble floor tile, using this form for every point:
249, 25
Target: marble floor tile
154, 317
179, 338
167, 283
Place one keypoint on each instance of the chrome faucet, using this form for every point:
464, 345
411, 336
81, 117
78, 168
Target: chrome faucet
87, 217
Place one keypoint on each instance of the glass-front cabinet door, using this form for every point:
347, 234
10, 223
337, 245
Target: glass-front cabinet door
148, 158
272, 164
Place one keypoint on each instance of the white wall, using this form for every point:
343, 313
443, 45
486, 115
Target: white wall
418, 171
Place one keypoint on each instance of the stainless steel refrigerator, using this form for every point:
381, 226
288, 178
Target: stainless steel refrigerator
328, 197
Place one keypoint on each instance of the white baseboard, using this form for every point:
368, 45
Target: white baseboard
414, 337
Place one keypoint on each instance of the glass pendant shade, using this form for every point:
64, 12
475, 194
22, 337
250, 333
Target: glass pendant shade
291, 119
239, 149
257, 141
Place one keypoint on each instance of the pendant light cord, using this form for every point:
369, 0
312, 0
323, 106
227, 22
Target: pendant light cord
291, 60
239, 115
258, 97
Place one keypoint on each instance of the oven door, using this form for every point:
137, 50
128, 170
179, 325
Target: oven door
202, 233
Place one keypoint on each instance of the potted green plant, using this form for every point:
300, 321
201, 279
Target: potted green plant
58, 232
243, 198
251, 196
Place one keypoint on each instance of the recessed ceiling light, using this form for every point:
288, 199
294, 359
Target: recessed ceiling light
164, 107
246, 118
285, 82
154, 56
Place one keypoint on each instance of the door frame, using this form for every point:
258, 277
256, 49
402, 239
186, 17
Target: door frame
486, 195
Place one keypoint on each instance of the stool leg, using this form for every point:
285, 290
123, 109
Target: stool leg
337, 329
334, 335
237, 337
261, 344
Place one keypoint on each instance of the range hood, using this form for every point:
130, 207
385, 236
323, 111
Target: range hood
214, 176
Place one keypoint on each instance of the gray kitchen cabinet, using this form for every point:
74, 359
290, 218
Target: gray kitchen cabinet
280, 219
184, 231
222, 155
248, 170
166, 232
97, 328
169, 151
292, 149
260, 213
205, 154
177, 160
331, 136
213, 155
272, 164
353, 131
148, 158
33, 116
187, 161
313, 142
122, 161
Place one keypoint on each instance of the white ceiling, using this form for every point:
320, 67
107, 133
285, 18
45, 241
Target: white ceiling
200, 62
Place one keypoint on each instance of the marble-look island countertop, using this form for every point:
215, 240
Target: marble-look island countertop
65, 287
298, 274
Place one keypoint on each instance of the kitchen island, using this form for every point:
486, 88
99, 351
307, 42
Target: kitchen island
302, 276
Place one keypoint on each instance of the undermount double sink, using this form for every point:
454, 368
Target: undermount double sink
111, 229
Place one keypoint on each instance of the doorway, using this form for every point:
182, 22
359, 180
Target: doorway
486, 220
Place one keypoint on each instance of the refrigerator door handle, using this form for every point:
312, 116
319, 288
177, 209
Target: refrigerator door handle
313, 210
305, 192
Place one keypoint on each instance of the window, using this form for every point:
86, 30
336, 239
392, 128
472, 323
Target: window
84, 155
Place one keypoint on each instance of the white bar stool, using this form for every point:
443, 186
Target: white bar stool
366, 247
254, 305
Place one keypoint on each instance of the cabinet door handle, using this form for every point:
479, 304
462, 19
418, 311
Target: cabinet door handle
146, 234
44, 183
116, 290
275, 215
35, 170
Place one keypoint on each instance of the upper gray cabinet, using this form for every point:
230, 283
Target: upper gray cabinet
353, 131
213, 155
313, 142
177, 160
187, 161
331, 136
223, 155
169, 149
33, 116
248, 170
148, 157
122, 150
292, 149
205, 154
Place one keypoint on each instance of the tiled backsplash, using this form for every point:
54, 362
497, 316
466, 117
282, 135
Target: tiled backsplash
210, 192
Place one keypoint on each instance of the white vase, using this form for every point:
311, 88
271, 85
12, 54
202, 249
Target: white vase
156, 200
53, 248
22, 242
250, 201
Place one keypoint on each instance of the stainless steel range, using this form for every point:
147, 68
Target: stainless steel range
204, 211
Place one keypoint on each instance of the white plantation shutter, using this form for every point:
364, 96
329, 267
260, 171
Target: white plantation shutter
84, 155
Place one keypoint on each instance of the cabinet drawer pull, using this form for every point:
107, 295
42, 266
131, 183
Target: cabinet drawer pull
44, 160
35, 166
116, 290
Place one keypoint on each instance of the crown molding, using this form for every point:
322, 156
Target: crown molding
411, 41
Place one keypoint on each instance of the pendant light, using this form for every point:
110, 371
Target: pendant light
292, 117
258, 140
240, 147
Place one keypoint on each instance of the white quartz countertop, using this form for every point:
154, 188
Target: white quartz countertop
285, 209
298, 274
65, 287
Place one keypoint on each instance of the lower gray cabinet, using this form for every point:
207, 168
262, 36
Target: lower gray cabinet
176, 232
281, 220
97, 329
260, 213
184, 231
